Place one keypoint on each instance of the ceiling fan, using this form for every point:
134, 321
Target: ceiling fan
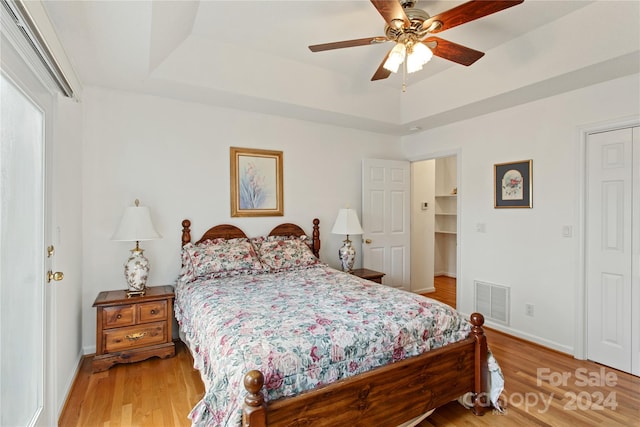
410, 29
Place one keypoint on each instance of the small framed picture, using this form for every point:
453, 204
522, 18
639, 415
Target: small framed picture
512, 184
256, 182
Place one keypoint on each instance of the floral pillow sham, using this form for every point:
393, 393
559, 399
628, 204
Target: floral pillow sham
284, 254
229, 257
219, 258
258, 241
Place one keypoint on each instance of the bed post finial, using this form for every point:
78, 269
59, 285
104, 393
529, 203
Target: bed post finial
481, 390
477, 320
254, 409
186, 232
316, 237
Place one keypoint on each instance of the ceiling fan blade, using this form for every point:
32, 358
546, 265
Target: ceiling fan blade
453, 51
392, 12
381, 72
347, 43
468, 12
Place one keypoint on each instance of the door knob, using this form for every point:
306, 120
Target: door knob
57, 276
367, 241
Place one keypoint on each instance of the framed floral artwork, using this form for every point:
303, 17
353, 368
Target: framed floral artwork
512, 184
256, 182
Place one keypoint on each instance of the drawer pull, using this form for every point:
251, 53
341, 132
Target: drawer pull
119, 316
135, 337
153, 311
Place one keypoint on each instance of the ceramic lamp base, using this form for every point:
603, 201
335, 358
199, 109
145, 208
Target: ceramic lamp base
347, 254
136, 271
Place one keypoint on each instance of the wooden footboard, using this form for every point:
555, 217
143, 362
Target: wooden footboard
394, 393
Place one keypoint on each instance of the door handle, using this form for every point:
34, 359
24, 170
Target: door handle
57, 276
368, 241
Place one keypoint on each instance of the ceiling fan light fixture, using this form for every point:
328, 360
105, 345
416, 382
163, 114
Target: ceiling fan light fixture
396, 57
419, 55
406, 26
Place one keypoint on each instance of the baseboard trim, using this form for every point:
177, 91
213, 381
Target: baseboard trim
424, 290
445, 273
74, 379
533, 338
561, 348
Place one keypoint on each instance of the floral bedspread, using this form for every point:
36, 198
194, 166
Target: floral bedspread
302, 329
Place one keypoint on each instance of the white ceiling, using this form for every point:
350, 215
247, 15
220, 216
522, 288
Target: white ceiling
253, 55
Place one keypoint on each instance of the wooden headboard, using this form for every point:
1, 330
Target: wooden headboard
228, 231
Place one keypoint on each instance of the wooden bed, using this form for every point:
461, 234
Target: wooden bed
394, 393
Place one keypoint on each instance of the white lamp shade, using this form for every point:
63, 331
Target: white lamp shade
423, 52
347, 223
419, 56
395, 58
136, 225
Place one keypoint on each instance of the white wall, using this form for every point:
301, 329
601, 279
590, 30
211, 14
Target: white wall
524, 248
446, 175
174, 157
422, 225
67, 239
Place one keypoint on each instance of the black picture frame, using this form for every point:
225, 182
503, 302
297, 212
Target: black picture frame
513, 184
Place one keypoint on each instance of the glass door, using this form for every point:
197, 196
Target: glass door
23, 261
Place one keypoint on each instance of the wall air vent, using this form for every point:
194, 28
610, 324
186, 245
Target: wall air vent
492, 301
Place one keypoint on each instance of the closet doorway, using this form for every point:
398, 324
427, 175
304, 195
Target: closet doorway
434, 235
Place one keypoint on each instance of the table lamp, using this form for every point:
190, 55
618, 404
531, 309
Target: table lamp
347, 223
136, 226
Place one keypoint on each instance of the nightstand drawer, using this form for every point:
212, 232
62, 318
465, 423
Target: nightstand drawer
152, 311
122, 315
135, 336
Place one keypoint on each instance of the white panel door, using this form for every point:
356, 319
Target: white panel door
609, 248
386, 190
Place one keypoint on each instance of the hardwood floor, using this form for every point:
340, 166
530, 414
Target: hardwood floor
155, 392
547, 388
445, 290
542, 387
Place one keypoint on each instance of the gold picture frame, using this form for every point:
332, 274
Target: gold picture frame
513, 184
256, 182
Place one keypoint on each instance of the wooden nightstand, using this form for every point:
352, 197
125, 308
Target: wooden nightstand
133, 329
374, 276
